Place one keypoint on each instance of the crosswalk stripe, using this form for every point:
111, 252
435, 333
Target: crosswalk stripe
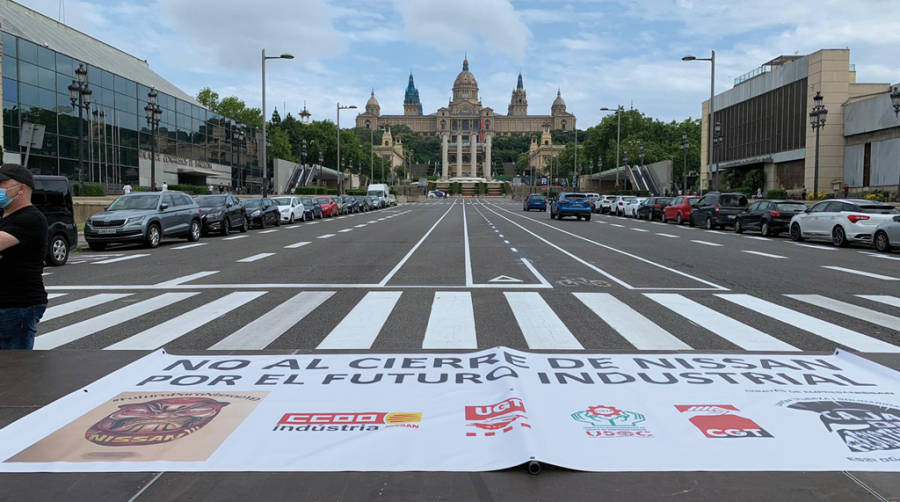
93, 325
860, 272
833, 332
122, 258
80, 304
451, 324
738, 333
255, 257
296, 245
51, 296
264, 330
849, 309
885, 299
540, 326
164, 333
634, 327
361, 326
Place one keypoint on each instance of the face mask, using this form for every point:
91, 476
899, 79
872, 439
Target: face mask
4, 199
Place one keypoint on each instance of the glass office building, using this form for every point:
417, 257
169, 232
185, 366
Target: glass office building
39, 59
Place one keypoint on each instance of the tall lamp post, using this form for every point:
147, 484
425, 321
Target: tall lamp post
625, 162
303, 147
371, 154
712, 103
641, 168
153, 114
337, 162
895, 99
685, 145
80, 95
817, 121
321, 161
619, 109
718, 137
264, 136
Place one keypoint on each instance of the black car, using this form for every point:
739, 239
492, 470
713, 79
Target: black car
351, 205
311, 208
718, 209
770, 217
53, 198
262, 212
652, 208
222, 213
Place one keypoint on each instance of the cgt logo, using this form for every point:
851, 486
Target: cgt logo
720, 421
500, 416
352, 421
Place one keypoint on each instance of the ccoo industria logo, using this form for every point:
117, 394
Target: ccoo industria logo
488, 420
346, 421
606, 421
863, 427
722, 421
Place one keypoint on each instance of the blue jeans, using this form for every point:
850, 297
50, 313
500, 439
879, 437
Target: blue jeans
18, 326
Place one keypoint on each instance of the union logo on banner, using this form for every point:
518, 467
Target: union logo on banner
606, 421
502, 417
722, 421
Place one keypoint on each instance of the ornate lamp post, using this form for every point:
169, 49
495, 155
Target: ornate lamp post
817, 121
80, 95
625, 163
685, 145
895, 99
153, 114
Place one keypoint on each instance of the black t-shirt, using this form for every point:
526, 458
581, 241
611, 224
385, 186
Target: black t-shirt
21, 265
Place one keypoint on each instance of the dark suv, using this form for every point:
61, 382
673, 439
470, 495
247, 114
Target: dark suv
770, 217
53, 197
717, 209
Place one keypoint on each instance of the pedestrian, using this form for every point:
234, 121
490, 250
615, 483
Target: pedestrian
221, 188
165, 186
126, 188
211, 189
804, 193
23, 244
667, 192
846, 191
759, 193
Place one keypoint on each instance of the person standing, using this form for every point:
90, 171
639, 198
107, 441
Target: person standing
165, 186
23, 245
126, 188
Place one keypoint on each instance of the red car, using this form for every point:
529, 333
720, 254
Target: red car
329, 206
680, 208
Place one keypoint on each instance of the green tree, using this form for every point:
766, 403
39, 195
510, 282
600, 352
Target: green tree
208, 98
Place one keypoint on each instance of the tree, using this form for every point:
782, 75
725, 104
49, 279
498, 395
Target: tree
209, 98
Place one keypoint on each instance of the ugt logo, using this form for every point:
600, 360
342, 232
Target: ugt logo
720, 421
608, 421
489, 419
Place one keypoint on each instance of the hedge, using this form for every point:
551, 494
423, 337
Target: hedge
356, 192
776, 194
192, 189
87, 190
315, 191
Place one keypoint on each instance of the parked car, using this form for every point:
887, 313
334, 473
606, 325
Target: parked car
770, 217
632, 205
841, 221
887, 235
606, 203
329, 206
374, 201
618, 205
680, 209
534, 201
290, 209
221, 213
594, 198
718, 209
351, 203
146, 217
53, 197
578, 205
392, 200
311, 208
652, 208
341, 205
262, 212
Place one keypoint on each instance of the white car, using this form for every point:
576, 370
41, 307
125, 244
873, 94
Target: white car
841, 221
606, 203
290, 209
632, 205
618, 205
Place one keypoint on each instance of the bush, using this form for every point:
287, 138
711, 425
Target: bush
140, 189
191, 189
311, 190
822, 196
776, 194
356, 192
87, 190
876, 196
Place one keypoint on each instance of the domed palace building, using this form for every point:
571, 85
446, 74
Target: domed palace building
465, 126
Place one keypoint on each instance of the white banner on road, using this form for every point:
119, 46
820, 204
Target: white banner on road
476, 411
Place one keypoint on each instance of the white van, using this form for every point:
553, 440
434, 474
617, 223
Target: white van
380, 190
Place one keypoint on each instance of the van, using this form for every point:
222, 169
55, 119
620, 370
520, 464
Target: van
53, 197
380, 190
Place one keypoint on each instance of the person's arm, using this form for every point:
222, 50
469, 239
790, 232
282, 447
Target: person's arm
7, 240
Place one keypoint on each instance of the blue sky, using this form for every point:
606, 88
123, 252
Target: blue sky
599, 53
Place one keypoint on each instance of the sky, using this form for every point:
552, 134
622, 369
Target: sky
597, 53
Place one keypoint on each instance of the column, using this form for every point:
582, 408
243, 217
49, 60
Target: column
459, 155
473, 140
487, 158
444, 147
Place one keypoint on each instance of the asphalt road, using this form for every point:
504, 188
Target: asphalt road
458, 274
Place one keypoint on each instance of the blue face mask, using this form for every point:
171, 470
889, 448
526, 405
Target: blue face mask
4, 200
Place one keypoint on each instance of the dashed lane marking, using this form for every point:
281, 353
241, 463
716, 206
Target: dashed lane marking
705, 243
123, 258
767, 255
255, 257
860, 272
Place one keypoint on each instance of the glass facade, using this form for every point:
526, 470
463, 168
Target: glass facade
116, 133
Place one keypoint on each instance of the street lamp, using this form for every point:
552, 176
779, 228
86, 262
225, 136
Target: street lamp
685, 145
641, 168
321, 161
371, 154
712, 101
895, 99
337, 162
718, 137
153, 114
80, 95
619, 109
264, 136
817, 121
625, 162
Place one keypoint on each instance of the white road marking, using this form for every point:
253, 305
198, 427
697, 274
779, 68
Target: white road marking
598, 221
630, 324
313, 223
187, 278
506, 242
451, 324
707, 243
668, 235
880, 255
80, 304
359, 328
325, 236
188, 246
514, 250
467, 256
45, 274
738, 333
756, 238
360, 225
416, 246
813, 246
51, 296
640, 229
860, 272
500, 236
718, 232
264, 330
98, 323
76, 262
540, 326
123, 258
885, 299
268, 231
345, 230
616, 225
835, 333
296, 245
849, 309
234, 237
767, 255
255, 257
370, 222
534, 271
164, 333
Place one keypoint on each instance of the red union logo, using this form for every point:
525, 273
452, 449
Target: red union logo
493, 410
721, 421
496, 417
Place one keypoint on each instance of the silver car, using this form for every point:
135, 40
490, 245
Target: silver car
841, 221
887, 235
145, 217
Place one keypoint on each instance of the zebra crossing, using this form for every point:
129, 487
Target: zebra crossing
648, 321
